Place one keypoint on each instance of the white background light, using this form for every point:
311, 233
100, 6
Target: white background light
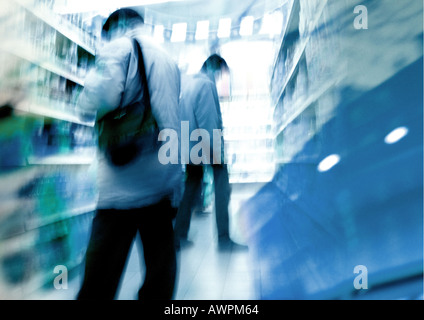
396, 135
246, 26
224, 28
272, 24
202, 30
328, 163
158, 33
179, 32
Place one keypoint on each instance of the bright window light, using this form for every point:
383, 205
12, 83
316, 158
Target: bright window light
179, 32
76, 6
328, 163
158, 33
272, 24
224, 28
202, 30
246, 26
396, 135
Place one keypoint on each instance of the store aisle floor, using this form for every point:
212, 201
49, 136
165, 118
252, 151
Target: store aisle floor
204, 271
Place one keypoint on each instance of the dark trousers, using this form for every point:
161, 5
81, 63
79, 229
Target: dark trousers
193, 183
113, 232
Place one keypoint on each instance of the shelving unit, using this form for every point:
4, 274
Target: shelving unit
318, 218
24, 51
247, 116
302, 105
48, 51
299, 51
45, 223
67, 29
248, 140
301, 76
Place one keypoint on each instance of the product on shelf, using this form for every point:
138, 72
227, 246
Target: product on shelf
45, 217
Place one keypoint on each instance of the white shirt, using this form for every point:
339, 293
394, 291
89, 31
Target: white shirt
145, 181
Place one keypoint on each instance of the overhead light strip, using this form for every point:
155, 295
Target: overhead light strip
224, 28
202, 30
78, 6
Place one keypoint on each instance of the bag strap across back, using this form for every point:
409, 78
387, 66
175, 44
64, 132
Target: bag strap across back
142, 73
123, 110
148, 120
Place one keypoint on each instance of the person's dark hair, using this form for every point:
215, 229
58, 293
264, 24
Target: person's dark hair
6, 111
214, 63
125, 16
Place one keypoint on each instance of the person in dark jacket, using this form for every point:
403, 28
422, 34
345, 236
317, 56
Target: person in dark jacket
200, 110
143, 195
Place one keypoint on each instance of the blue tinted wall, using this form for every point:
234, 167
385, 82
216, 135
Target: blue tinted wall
353, 193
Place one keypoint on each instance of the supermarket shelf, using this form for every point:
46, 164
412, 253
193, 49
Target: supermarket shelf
42, 278
62, 26
38, 279
394, 283
60, 217
240, 122
286, 30
26, 240
279, 162
66, 159
230, 122
17, 243
249, 151
242, 96
248, 137
314, 24
70, 115
258, 167
248, 124
299, 52
303, 105
35, 227
10, 292
26, 52
262, 179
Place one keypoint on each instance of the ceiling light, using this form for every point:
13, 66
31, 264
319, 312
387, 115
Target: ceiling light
272, 24
246, 26
396, 135
202, 30
158, 33
179, 32
328, 163
224, 28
